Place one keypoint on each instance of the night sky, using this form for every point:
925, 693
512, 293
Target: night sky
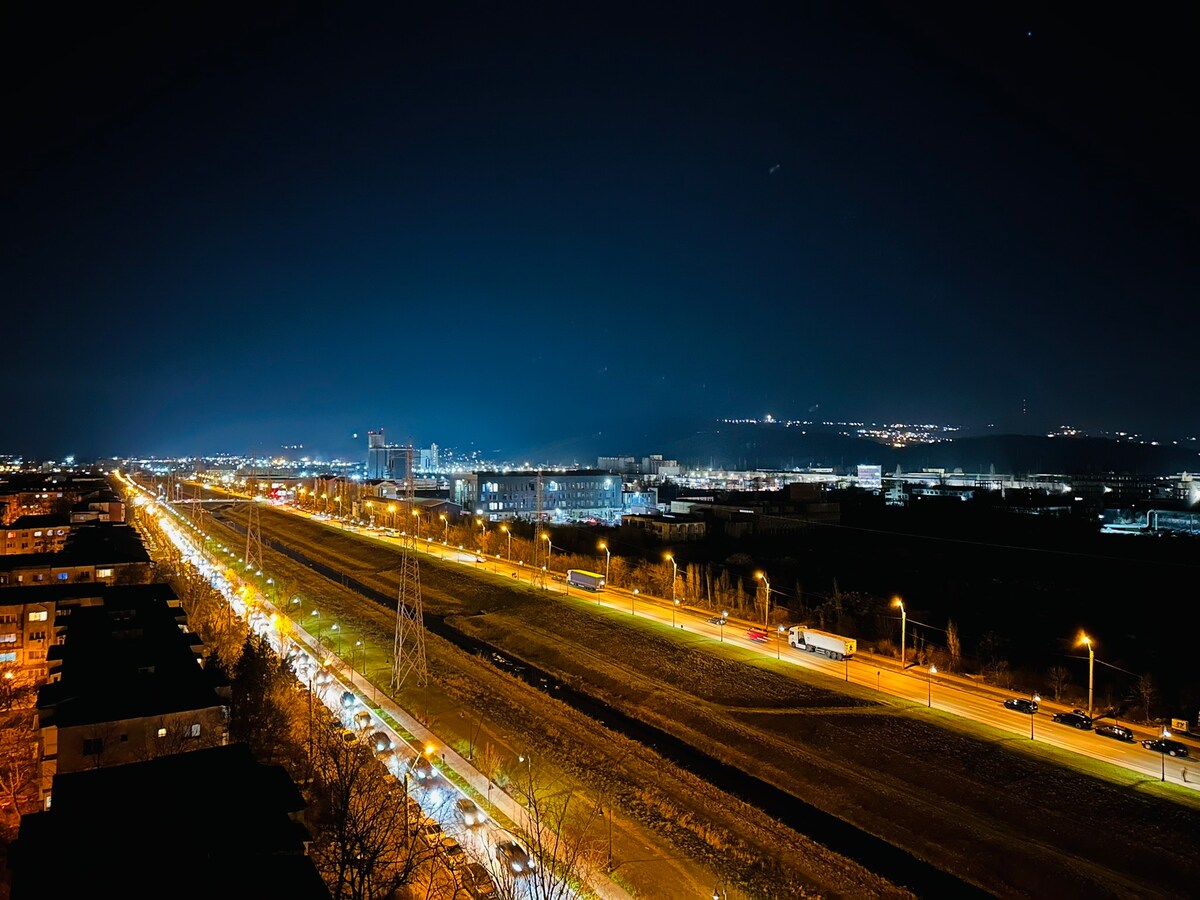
514, 224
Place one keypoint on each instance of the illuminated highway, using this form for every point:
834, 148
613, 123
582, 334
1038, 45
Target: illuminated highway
323, 675
951, 694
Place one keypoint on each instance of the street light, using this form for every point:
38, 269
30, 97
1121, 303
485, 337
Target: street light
1033, 715
317, 613
417, 516
929, 683
1162, 754
549, 548
338, 635
353, 653
603, 545
721, 627
505, 529
1084, 639
392, 513
761, 576
674, 606
779, 641
445, 526
633, 597
670, 557
896, 601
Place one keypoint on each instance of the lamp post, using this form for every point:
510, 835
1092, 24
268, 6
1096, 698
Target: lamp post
896, 601
445, 526
674, 606
338, 636
317, 613
929, 686
1033, 715
779, 641
1162, 755
1084, 639
670, 557
549, 549
633, 597
392, 512
353, 653
505, 529
761, 576
607, 559
721, 627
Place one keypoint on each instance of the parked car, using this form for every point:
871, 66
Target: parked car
431, 830
468, 812
381, 742
514, 857
422, 769
1022, 704
477, 882
1167, 746
348, 699
1074, 719
362, 719
453, 852
1117, 732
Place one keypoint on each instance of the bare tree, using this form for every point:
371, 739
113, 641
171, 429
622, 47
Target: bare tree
367, 840
953, 647
1058, 678
17, 689
18, 769
1145, 692
566, 840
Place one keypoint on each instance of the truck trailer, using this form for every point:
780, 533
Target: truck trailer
589, 581
832, 645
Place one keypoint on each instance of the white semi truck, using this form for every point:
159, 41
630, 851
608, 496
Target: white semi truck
589, 581
832, 645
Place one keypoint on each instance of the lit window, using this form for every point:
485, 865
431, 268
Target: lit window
8, 657
38, 616
104, 573
162, 732
195, 732
37, 534
63, 576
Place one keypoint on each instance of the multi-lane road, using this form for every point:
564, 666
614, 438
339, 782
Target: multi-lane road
952, 694
436, 795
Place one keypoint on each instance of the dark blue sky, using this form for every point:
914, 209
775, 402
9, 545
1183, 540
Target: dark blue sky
517, 224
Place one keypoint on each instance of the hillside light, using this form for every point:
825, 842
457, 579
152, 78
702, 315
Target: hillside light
896, 601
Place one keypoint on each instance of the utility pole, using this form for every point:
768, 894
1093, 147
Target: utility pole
408, 653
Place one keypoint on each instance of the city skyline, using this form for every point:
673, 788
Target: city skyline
523, 227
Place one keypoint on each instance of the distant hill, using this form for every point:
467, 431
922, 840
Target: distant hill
778, 447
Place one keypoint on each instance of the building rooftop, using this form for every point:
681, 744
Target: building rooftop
49, 520
104, 543
201, 824
126, 659
76, 593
